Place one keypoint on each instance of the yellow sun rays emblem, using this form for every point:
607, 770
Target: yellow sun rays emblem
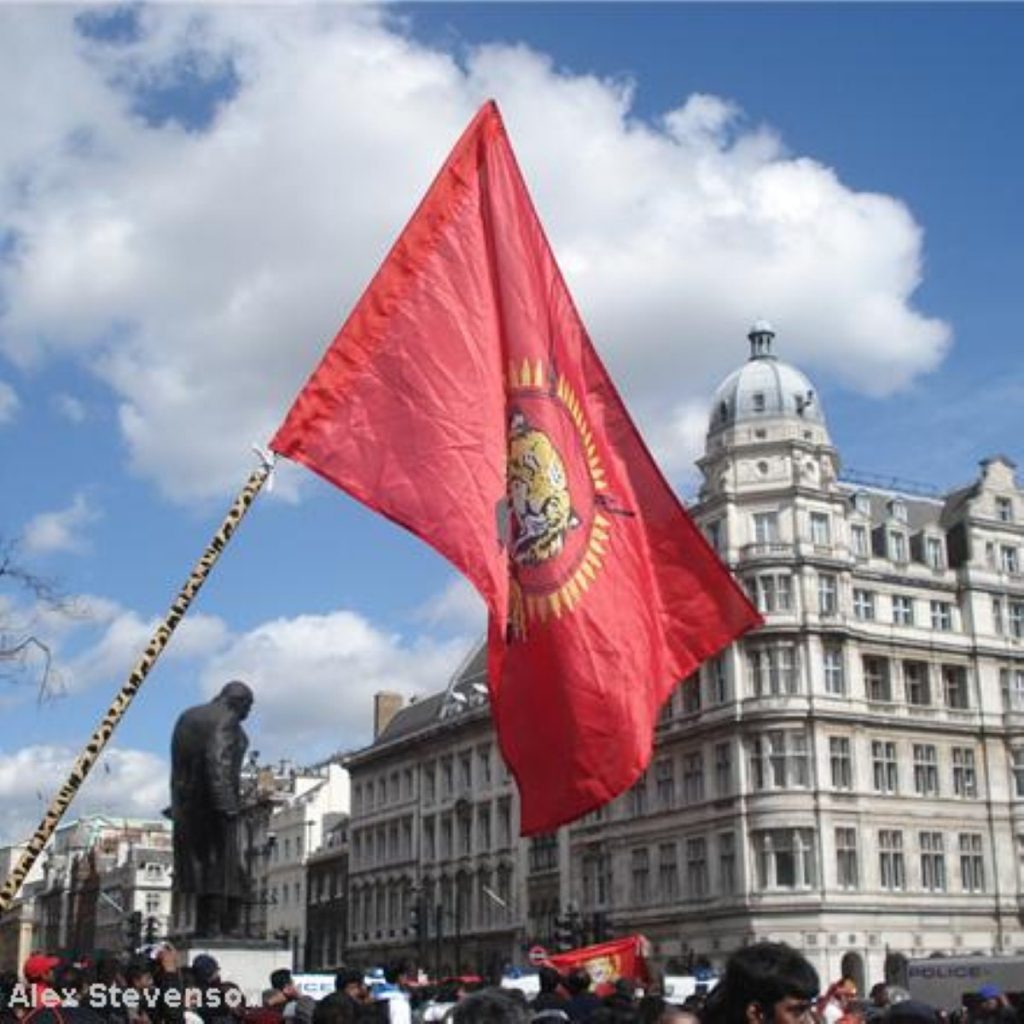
556, 536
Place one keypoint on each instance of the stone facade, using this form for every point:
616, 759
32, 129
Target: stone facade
848, 778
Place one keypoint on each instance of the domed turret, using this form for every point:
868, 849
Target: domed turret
764, 388
767, 429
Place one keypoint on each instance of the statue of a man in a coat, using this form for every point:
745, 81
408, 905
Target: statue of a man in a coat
207, 749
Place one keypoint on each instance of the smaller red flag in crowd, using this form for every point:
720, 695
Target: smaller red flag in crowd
606, 962
463, 399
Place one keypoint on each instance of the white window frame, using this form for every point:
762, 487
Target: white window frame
892, 868
864, 604
847, 869
926, 770
902, 610
840, 762
784, 858
885, 769
828, 593
821, 529
834, 669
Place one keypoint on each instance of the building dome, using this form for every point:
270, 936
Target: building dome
764, 387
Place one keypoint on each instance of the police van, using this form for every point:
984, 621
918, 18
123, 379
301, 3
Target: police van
944, 981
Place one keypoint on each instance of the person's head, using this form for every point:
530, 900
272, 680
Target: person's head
845, 991
139, 974
205, 969
39, 967
69, 978
679, 1015
764, 983
334, 1011
879, 994
110, 970
577, 981
548, 978
350, 982
397, 972
238, 697
624, 988
911, 1011
281, 979
990, 996
490, 1006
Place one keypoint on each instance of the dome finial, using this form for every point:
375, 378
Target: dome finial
760, 337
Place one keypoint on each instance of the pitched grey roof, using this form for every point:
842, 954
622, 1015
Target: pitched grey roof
413, 718
465, 684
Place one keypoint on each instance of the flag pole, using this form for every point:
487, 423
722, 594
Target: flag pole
88, 757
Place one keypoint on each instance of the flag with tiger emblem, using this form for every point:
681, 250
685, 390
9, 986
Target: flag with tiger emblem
463, 399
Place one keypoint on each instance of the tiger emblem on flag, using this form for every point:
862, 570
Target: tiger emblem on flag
538, 494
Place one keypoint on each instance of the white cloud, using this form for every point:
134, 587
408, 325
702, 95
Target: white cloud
71, 408
679, 439
62, 530
314, 678
131, 783
123, 639
94, 640
458, 605
8, 402
202, 272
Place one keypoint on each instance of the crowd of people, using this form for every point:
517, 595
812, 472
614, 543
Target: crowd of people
764, 983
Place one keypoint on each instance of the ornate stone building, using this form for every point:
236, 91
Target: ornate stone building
849, 778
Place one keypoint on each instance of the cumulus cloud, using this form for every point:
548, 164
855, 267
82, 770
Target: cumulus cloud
124, 782
678, 440
49, 532
200, 268
314, 678
8, 402
123, 636
458, 605
70, 408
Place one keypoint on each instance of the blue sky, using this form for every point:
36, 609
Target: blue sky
191, 199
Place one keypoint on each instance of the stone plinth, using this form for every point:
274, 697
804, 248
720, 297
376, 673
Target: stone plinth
246, 962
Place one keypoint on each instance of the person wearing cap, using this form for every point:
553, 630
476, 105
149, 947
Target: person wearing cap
992, 1007
38, 972
211, 1005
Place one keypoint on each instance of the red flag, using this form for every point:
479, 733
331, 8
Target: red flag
462, 398
606, 962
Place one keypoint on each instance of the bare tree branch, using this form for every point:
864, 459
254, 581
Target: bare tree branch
24, 653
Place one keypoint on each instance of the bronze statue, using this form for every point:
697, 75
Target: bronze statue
207, 749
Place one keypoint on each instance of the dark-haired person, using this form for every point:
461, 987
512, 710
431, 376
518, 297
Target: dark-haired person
582, 1002
765, 983
490, 1006
550, 996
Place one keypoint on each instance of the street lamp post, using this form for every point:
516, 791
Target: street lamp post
438, 925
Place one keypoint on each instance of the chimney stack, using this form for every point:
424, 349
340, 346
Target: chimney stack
385, 706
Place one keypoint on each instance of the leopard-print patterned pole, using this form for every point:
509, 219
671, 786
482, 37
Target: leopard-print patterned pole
119, 706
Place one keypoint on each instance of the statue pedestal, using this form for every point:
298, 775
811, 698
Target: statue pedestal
246, 962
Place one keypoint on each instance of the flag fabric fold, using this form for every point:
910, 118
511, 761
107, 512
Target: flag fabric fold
463, 399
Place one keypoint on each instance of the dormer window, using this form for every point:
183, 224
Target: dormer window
897, 546
898, 510
758, 401
862, 503
1004, 509
933, 552
723, 411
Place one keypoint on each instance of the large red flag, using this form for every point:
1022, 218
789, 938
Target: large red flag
462, 398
